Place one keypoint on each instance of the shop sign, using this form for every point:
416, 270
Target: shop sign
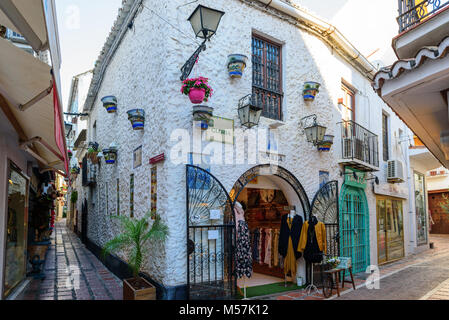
220, 130
137, 157
350, 180
388, 189
157, 159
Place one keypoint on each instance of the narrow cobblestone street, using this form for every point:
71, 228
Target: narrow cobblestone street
422, 276
72, 272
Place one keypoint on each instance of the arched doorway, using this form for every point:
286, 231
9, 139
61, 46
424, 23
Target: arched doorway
267, 194
211, 228
354, 227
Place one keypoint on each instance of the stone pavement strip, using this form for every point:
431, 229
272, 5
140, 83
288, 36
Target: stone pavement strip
72, 272
420, 276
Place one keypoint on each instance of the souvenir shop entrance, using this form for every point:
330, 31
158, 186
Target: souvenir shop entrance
274, 206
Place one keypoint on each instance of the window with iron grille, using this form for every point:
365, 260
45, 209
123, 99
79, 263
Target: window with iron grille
267, 76
385, 137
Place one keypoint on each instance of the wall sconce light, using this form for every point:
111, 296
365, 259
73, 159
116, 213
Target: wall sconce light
313, 131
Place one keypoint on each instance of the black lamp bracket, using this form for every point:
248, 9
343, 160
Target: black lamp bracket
307, 122
188, 66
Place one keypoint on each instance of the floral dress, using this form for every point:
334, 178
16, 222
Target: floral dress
244, 260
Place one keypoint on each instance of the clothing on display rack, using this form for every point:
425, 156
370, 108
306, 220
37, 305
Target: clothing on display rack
290, 231
313, 240
244, 261
263, 247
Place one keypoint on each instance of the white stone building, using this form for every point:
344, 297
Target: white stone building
140, 65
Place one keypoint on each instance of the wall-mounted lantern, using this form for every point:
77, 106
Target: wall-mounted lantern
313, 131
249, 111
204, 23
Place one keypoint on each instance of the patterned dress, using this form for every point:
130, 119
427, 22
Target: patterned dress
244, 260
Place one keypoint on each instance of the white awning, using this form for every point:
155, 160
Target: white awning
23, 78
26, 17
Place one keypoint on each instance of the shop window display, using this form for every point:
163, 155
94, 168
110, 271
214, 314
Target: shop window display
420, 207
16, 226
390, 229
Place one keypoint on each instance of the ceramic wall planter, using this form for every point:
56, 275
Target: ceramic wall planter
236, 65
202, 114
310, 90
110, 103
326, 144
196, 95
110, 155
137, 118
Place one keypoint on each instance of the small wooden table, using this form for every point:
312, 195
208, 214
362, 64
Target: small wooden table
336, 272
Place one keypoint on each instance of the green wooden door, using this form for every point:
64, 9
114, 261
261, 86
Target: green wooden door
354, 227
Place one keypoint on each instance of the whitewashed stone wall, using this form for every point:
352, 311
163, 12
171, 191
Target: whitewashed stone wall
144, 73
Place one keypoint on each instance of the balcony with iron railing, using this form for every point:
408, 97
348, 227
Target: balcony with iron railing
421, 23
359, 147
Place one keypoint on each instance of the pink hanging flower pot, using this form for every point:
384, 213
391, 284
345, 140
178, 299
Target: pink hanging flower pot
196, 95
197, 89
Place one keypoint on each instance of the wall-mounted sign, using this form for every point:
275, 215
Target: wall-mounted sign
220, 130
137, 157
350, 180
157, 159
153, 188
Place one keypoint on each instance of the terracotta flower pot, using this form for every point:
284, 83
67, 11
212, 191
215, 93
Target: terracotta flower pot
236, 65
196, 95
110, 103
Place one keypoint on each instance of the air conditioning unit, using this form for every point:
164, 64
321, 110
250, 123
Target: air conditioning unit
395, 172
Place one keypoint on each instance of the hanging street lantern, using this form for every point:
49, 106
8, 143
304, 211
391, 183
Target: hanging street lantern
313, 131
249, 111
204, 23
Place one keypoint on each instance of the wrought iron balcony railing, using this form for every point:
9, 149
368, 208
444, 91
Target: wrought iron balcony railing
412, 12
358, 143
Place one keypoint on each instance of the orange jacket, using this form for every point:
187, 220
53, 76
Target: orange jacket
320, 232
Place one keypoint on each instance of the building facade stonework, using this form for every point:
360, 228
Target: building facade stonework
143, 72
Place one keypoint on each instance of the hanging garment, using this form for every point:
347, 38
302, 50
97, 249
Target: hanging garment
244, 261
312, 235
262, 246
290, 258
268, 238
255, 244
320, 233
276, 248
294, 233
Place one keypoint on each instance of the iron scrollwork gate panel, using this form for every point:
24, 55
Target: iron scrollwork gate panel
325, 208
210, 237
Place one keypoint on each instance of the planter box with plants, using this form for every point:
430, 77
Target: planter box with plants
133, 238
92, 152
326, 144
137, 118
110, 103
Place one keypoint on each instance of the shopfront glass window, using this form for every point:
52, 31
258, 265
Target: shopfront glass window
16, 226
420, 208
390, 229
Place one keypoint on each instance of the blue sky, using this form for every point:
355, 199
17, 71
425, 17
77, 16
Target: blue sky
83, 28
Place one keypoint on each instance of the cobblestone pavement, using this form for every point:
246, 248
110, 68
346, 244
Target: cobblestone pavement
72, 272
420, 276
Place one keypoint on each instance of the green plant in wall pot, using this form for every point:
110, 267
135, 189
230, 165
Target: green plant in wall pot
135, 233
74, 196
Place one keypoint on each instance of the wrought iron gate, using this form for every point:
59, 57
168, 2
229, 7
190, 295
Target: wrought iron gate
210, 237
325, 208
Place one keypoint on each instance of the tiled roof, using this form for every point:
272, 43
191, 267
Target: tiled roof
406, 65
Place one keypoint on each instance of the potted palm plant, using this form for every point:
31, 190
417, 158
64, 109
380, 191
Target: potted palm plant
135, 234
